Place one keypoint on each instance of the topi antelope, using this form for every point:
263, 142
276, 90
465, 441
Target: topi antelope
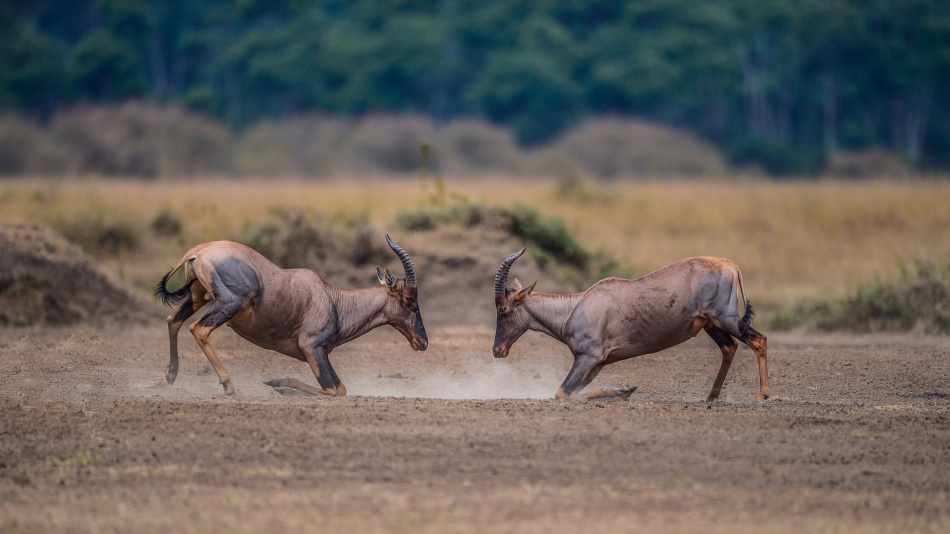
291, 311
618, 319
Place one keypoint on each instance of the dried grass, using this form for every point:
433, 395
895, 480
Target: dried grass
793, 240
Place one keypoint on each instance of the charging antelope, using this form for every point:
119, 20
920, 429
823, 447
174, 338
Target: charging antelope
291, 311
618, 319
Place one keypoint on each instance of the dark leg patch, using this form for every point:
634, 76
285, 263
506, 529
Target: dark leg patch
721, 337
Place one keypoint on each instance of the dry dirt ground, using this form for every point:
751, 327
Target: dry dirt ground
855, 438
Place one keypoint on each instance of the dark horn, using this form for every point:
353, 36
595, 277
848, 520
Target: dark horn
406, 262
501, 277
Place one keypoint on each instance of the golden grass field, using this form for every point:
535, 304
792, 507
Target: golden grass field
792, 239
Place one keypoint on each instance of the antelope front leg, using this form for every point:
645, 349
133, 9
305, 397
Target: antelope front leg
319, 361
583, 371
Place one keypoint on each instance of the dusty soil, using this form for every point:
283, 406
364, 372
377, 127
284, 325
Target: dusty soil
855, 438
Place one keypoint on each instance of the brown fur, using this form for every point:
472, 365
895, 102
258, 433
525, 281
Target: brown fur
290, 311
617, 319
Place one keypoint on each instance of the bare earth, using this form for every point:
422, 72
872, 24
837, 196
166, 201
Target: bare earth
855, 438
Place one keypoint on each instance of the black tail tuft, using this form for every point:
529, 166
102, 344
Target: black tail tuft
169, 298
745, 323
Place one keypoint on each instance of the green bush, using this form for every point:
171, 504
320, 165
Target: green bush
550, 237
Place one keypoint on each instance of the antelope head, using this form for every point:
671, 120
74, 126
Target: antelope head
509, 305
402, 310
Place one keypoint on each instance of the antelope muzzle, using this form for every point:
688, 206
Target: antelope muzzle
502, 345
418, 339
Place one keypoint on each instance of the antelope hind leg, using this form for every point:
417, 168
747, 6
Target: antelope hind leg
193, 302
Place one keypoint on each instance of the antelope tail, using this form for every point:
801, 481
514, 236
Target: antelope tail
169, 298
745, 322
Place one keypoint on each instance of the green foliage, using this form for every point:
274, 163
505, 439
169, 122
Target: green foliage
918, 298
552, 240
528, 90
31, 76
104, 68
778, 84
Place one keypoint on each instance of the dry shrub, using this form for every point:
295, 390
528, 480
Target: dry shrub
870, 163
471, 146
100, 235
25, 148
138, 139
916, 299
391, 143
309, 145
612, 148
344, 250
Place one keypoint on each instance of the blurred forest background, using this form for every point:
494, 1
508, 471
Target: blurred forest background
604, 88
471, 128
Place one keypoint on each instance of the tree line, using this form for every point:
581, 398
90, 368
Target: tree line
781, 84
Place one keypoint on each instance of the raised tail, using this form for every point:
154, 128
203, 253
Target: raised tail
745, 322
170, 298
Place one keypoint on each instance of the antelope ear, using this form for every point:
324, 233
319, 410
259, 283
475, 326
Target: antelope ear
530, 288
390, 280
379, 274
523, 293
516, 284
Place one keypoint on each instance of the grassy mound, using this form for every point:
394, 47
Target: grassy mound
548, 239
46, 281
918, 298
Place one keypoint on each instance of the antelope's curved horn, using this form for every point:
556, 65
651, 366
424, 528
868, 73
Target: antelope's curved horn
501, 277
406, 262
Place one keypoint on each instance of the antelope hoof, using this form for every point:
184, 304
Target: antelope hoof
170, 376
275, 382
624, 393
228, 388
